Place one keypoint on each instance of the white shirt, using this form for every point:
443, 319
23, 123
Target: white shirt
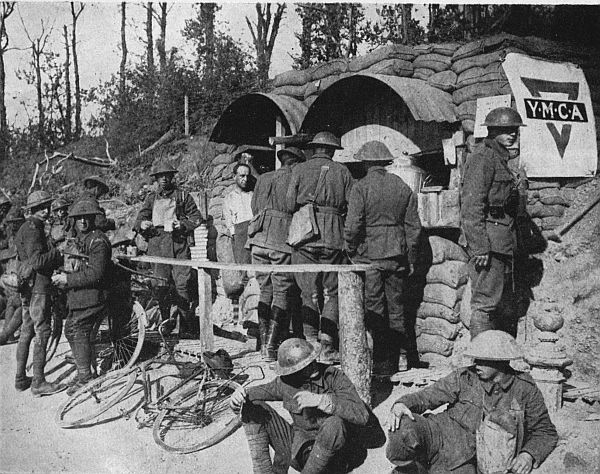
236, 208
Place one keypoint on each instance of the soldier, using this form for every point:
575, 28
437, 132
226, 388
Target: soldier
382, 229
167, 219
237, 212
489, 202
59, 220
269, 247
86, 288
5, 205
38, 261
327, 184
496, 421
322, 402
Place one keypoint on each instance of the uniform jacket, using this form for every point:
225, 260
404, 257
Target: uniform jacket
4, 243
487, 181
382, 220
87, 286
344, 402
331, 201
33, 248
277, 218
168, 244
466, 394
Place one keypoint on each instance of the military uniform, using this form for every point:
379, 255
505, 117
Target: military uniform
489, 201
8, 284
331, 203
382, 229
446, 442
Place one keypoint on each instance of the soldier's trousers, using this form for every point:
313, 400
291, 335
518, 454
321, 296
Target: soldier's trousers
419, 444
274, 287
36, 322
492, 295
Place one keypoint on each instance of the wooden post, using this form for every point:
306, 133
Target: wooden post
186, 116
203, 311
356, 357
279, 132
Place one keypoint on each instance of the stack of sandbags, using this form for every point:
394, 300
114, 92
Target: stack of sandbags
438, 316
547, 202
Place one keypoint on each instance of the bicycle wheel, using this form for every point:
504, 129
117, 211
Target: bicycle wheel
56, 328
95, 398
120, 341
196, 421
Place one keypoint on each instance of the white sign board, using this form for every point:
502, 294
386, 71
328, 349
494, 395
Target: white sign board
554, 100
484, 106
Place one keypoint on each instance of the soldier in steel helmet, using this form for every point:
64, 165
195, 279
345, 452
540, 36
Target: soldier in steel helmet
86, 288
496, 421
489, 201
167, 219
59, 209
382, 229
38, 262
95, 187
322, 402
327, 185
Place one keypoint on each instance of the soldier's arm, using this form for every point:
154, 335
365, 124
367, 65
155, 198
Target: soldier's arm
292, 192
38, 259
343, 400
479, 175
192, 217
258, 191
445, 390
96, 268
268, 392
355, 220
412, 228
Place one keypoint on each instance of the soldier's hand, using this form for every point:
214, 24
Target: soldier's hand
396, 413
176, 224
145, 225
60, 280
411, 269
522, 464
237, 399
481, 261
306, 399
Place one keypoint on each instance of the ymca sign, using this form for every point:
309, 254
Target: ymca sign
554, 100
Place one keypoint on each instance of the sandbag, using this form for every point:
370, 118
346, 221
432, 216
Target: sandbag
437, 62
537, 184
444, 249
392, 51
465, 304
435, 344
420, 49
539, 210
232, 279
446, 49
291, 78
549, 223
336, 66
217, 171
329, 80
217, 191
468, 125
483, 60
491, 72
222, 159
441, 294
423, 73
434, 310
491, 43
392, 67
555, 200
436, 360
452, 273
467, 110
437, 327
445, 80
485, 89
308, 101
291, 90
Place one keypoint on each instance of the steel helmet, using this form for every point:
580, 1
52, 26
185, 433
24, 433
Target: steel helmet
293, 151
98, 181
294, 354
60, 203
327, 139
38, 199
494, 345
163, 168
85, 207
374, 151
503, 117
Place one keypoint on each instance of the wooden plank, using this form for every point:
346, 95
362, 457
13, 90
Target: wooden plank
204, 311
355, 353
308, 268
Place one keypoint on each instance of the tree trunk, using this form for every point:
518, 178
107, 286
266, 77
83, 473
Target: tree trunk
263, 39
68, 112
305, 42
75, 17
161, 43
149, 39
7, 9
123, 51
207, 12
36, 53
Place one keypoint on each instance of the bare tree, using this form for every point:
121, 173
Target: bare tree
263, 39
149, 39
123, 50
75, 13
161, 18
5, 12
68, 110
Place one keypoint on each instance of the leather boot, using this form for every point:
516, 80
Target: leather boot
318, 460
329, 354
82, 353
264, 316
39, 385
310, 324
22, 382
279, 327
258, 444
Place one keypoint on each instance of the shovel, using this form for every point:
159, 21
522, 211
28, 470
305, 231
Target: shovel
556, 234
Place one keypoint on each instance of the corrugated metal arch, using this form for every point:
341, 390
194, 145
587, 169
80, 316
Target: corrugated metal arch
250, 119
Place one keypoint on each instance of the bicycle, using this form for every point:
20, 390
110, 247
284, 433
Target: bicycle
192, 415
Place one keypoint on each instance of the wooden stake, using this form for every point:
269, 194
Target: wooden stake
186, 116
204, 310
356, 357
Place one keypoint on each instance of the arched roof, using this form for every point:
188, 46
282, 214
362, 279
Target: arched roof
250, 119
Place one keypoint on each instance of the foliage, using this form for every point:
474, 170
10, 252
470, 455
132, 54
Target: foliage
390, 27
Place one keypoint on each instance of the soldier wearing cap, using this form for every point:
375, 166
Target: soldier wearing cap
327, 184
38, 262
5, 205
489, 203
268, 246
167, 219
496, 420
382, 229
86, 288
322, 402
